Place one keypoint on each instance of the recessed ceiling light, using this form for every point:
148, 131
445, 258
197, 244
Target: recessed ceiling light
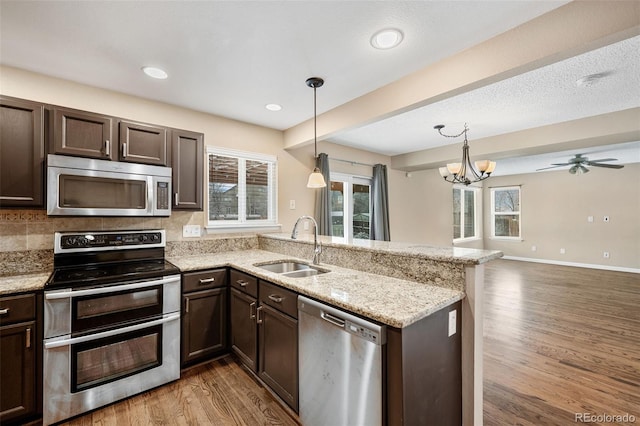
387, 38
155, 72
273, 107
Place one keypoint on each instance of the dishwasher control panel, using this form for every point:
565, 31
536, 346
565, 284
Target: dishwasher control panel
362, 332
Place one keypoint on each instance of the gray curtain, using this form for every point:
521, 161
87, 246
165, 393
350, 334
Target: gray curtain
323, 197
379, 204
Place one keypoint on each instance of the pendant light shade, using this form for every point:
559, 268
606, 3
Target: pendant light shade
316, 180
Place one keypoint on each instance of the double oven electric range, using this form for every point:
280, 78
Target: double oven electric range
111, 320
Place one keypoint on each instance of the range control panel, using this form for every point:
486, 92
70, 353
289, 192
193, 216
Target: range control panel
89, 240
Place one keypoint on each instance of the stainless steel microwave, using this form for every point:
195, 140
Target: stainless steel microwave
88, 187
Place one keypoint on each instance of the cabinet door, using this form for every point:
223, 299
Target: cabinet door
144, 143
17, 371
243, 328
83, 134
278, 337
204, 324
187, 158
21, 153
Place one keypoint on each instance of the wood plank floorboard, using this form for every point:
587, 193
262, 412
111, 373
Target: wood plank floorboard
558, 341
217, 393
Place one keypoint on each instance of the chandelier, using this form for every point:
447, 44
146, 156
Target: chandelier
464, 172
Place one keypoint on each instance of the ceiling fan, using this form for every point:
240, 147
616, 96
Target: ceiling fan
579, 162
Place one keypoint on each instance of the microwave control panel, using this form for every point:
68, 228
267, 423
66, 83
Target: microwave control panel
162, 196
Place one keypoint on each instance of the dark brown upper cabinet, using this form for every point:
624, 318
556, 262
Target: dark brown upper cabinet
83, 134
22, 151
187, 159
144, 143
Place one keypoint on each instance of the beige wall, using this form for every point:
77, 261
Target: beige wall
555, 207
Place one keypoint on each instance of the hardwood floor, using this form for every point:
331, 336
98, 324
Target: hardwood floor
217, 393
559, 341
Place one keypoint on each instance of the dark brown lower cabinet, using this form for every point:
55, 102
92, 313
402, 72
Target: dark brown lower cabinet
20, 359
278, 342
244, 341
204, 315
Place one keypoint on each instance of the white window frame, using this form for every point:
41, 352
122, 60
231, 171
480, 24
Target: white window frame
272, 205
349, 180
477, 209
494, 213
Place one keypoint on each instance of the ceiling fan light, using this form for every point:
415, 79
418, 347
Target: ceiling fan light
316, 180
582, 169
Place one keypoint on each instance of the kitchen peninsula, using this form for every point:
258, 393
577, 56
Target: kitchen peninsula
392, 283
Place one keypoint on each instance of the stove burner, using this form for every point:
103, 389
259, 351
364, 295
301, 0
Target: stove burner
86, 274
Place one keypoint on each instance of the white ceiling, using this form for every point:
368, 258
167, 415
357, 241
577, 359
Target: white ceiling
230, 58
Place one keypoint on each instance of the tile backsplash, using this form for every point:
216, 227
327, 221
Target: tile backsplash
22, 230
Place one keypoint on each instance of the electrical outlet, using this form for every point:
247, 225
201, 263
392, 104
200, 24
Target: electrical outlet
605, 254
534, 248
452, 322
306, 225
590, 219
606, 219
190, 231
562, 251
292, 204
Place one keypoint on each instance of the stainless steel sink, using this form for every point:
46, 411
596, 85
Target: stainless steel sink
292, 268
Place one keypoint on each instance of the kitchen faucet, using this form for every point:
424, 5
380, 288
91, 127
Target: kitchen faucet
317, 248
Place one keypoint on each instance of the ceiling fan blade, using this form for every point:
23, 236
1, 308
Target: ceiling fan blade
561, 164
552, 167
602, 160
608, 166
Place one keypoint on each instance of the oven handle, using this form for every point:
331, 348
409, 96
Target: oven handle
102, 335
110, 289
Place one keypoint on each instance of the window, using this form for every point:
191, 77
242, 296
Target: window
242, 189
350, 206
465, 218
505, 212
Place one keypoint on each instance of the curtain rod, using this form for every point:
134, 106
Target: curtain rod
351, 162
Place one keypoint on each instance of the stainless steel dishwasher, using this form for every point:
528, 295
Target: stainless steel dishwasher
340, 362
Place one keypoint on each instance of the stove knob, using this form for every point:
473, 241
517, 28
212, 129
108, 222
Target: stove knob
144, 238
155, 237
71, 241
82, 242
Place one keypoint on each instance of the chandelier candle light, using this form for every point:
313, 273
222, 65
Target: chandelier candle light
316, 180
464, 172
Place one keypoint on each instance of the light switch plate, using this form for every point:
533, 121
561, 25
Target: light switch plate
189, 231
452, 322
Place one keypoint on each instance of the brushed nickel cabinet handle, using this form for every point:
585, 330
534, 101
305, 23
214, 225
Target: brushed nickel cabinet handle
277, 299
252, 306
28, 339
4, 311
107, 147
258, 319
176, 199
186, 306
207, 280
242, 283
125, 151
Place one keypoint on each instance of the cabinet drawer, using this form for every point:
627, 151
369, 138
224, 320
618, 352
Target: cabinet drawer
279, 298
244, 282
203, 280
17, 308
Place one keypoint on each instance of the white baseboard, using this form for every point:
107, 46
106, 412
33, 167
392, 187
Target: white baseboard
578, 265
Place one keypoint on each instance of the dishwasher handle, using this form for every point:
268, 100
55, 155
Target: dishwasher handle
332, 319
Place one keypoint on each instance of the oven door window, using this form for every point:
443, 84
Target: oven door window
102, 193
105, 360
108, 309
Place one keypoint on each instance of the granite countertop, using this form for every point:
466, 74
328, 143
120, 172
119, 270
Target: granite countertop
25, 282
460, 255
395, 302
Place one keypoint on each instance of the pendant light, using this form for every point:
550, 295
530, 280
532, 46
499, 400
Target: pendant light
316, 180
